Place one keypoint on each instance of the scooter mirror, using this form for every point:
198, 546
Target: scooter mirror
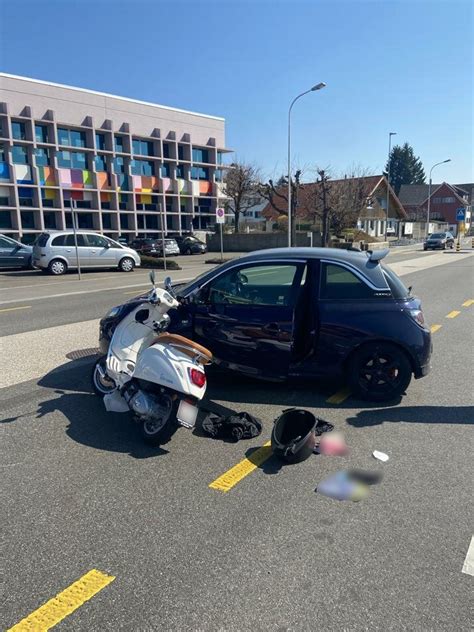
152, 277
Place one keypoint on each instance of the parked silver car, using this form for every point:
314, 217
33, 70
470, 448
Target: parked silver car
55, 252
14, 254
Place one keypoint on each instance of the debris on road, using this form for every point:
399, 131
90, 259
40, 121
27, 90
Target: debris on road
293, 435
380, 456
332, 445
341, 486
233, 428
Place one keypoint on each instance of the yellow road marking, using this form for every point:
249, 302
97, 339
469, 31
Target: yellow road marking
453, 314
59, 607
233, 476
468, 303
11, 309
136, 292
339, 397
435, 328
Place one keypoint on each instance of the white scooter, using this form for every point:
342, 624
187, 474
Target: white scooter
158, 376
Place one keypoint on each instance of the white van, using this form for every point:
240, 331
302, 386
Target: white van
55, 252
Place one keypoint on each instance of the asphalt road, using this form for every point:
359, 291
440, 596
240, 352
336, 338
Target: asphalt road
82, 492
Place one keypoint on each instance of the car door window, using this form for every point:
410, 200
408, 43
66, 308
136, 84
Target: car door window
270, 285
69, 241
96, 241
6, 243
339, 283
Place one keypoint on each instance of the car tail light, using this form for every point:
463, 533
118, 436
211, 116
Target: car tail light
198, 378
417, 314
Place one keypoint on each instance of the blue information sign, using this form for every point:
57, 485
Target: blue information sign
460, 214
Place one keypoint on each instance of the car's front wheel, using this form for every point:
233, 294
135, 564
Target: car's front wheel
57, 267
379, 372
126, 264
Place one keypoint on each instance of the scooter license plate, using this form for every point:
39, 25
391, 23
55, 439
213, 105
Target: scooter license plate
187, 414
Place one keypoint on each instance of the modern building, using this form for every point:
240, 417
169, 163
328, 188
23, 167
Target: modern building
446, 199
125, 164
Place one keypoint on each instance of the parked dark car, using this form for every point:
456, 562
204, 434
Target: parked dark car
307, 313
439, 240
189, 245
152, 247
14, 254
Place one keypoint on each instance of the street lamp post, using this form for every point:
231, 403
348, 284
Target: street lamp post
429, 196
318, 86
388, 179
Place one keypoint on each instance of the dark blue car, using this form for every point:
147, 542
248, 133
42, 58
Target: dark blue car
309, 312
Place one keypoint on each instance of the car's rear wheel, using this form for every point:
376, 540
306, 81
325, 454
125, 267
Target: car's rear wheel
188, 251
57, 267
379, 372
126, 264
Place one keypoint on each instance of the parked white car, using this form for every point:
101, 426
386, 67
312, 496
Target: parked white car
55, 252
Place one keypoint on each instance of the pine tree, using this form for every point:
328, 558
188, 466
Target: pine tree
405, 167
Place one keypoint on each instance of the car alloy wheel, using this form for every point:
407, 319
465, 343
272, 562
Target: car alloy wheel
126, 264
57, 267
379, 372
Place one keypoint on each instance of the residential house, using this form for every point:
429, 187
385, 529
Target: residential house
446, 199
372, 214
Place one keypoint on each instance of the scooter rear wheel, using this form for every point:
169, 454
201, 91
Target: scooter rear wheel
159, 430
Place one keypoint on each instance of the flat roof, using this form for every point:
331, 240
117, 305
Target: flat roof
113, 96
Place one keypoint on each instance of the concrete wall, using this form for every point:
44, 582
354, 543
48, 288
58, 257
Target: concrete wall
243, 242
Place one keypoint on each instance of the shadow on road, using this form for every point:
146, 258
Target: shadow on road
415, 415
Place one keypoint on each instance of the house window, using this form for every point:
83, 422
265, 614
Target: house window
218, 175
165, 170
200, 155
72, 160
437, 200
199, 173
2, 153
142, 147
19, 155
18, 130
100, 141
106, 220
41, 133
42, 157
220, 158
118, 143
25, 196
447, 200
181, 149
119, 165
166, 150
28, 219
339, 283
100, 164
180, 171
141, 167
49, 220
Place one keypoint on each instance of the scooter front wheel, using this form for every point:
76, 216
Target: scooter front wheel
101, 382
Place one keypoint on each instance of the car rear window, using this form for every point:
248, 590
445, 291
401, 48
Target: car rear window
396, 285
42, 240
438, 235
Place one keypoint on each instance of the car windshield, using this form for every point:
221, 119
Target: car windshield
438, 236
170, 242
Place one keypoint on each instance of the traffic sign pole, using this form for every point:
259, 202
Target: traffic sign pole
220, 219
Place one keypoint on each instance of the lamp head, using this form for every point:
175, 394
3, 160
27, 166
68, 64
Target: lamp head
318, 86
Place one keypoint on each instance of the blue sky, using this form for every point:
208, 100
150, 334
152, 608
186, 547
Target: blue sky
403, 66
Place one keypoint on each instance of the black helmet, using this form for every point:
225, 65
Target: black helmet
293, 435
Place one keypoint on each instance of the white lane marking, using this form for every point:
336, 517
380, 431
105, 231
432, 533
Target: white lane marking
468, 566
104, 289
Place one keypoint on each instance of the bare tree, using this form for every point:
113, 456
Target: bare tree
241, 187
277, 195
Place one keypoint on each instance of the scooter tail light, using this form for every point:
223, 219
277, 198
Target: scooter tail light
198, 378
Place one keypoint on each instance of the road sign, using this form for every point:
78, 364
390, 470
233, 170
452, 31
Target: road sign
460, 214
220, 216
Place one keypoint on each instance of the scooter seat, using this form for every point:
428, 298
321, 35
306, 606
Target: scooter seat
186, 346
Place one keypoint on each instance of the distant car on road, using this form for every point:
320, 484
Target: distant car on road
305, 313
153, 247
55, 252
190, 245
439, 240
14, 254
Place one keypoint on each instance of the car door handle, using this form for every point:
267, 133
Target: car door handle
93, 251
271, 328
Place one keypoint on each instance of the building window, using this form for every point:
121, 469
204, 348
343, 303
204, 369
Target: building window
142, 168
72, 160
5, 219
180, 171
166, 150
220, 158
106, 220
18, 130
19, 155
119, 165
49, 220
100, 164
118, 140
181, 154
199, 173
123, 202
28, 219
100, 141
41, 133
25, 196
142, 147
42, 157
71, 137
448, 200
84, 204
2, 153
165, 170
218, 175
200, 155
123, 221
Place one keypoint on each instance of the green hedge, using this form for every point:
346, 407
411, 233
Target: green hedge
159, 264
